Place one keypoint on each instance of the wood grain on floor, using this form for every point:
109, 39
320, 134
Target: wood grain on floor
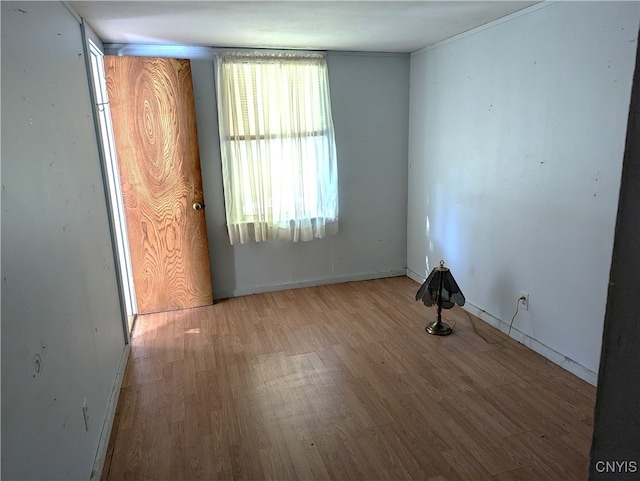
341, 382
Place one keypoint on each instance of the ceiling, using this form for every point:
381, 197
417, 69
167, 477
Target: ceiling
368, 26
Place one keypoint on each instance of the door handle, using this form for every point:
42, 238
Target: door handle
198, 206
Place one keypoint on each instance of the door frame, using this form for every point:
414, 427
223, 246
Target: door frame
109, 161
94, 51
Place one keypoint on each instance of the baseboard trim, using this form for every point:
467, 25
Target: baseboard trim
554, 356
103, 444
313, 283
416, 277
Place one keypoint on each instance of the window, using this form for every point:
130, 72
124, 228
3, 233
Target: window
277, 144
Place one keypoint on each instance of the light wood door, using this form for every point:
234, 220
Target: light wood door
154, 126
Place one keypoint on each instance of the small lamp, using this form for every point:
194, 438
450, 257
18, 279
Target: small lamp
440, 289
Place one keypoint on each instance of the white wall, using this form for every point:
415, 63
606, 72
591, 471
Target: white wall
370, 105
59, 293
617, 412
516, 141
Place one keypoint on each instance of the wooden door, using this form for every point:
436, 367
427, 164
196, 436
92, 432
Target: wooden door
153, 114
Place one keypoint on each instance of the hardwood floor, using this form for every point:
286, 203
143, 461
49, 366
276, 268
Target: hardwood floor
341, 382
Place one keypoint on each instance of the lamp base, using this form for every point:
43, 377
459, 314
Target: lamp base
438, 328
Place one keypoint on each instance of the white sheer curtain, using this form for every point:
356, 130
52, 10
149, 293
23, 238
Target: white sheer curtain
277, 144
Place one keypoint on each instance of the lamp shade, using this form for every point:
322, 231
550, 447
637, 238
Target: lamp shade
440, 285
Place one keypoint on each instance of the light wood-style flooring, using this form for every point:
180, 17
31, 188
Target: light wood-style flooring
341, 382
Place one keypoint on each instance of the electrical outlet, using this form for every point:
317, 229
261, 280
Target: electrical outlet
523, 301
85, 413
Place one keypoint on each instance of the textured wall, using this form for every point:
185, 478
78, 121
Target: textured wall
59, 291
515, 152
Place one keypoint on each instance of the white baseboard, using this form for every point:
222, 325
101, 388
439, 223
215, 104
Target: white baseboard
554, 356
317, 282
103, 444
416, 277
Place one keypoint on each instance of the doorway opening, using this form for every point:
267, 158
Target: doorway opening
112, 183
157, 221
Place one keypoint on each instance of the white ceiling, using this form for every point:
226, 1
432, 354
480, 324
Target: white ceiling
373, 26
